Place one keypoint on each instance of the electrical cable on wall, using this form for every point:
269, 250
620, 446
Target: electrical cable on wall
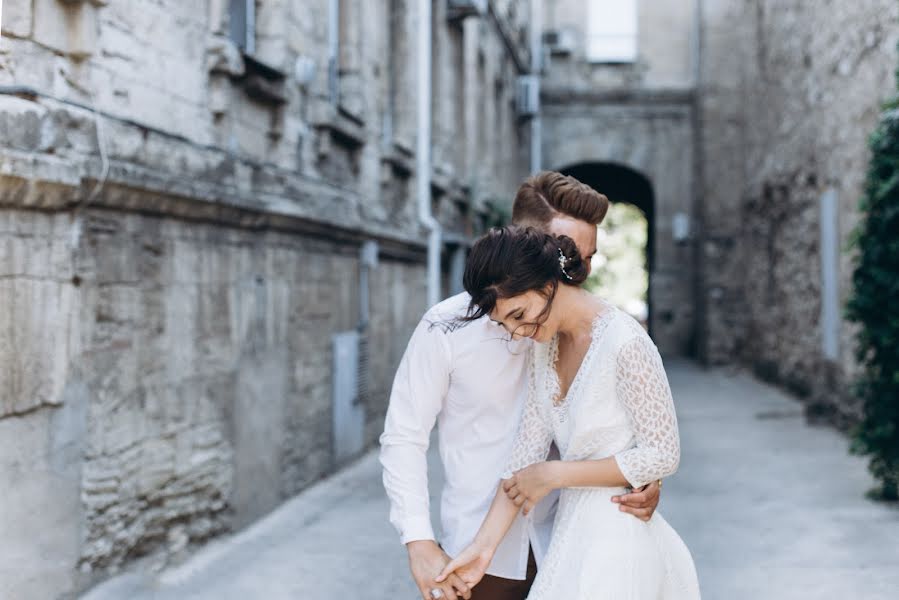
75, 231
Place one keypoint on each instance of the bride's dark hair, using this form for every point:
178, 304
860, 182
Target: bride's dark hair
509, 261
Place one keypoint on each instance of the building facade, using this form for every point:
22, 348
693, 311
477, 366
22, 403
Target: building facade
740, 129
212, 254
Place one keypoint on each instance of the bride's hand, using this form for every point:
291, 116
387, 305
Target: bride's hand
470, 565
530, 485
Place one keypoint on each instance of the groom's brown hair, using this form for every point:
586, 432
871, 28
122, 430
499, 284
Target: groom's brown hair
550, 194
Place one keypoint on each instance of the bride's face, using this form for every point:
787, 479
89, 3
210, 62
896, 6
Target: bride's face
520, 316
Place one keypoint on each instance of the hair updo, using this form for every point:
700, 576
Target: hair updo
510, 261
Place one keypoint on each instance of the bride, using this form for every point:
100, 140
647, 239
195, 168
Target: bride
598, 388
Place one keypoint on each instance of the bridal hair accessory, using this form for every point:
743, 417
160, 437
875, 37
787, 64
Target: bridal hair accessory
563, 260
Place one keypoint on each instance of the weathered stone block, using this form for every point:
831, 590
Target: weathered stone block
67, 27
31, 126
35, 332
157, 464
17, 18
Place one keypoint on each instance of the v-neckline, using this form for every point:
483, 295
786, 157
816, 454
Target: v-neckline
556, 398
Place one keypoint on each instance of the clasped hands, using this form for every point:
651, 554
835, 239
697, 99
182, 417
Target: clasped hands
525, 489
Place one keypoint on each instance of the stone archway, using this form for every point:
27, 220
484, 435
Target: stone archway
639, 146
622, 184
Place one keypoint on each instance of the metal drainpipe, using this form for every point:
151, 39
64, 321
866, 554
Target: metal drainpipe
696, 45
423, 152
536, 60
333, 50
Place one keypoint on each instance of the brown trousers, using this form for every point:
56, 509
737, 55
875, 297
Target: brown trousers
497, 588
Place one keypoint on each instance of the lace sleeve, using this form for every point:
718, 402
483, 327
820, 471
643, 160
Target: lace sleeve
534, 432
642, 386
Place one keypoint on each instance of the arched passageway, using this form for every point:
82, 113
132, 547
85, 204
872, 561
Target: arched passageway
640, 151
626, 239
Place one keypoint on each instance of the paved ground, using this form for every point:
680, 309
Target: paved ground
772, 509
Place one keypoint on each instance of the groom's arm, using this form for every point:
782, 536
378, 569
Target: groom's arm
417, 396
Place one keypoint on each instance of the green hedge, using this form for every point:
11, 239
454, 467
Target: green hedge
874, 305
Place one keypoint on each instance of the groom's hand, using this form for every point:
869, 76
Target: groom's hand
641, 503
426, 561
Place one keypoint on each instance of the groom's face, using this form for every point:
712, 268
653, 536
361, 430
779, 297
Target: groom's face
583, 234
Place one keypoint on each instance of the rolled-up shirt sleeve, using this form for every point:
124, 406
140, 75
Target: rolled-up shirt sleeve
416, 399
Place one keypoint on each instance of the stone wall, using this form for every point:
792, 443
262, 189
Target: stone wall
727, 71
170, 381
180, 234
784, 125
43, 421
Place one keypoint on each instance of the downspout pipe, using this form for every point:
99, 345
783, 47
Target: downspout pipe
696, 45
333, 50
423, 152
536, 67
700, 346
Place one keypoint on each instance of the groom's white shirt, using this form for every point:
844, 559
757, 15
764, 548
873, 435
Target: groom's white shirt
471, 381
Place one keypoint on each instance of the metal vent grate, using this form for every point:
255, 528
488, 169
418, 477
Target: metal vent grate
363, 377
527, 98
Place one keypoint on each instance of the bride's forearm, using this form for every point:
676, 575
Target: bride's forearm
588, 473
498, 521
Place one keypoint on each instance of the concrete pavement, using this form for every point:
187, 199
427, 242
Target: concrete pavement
771, 508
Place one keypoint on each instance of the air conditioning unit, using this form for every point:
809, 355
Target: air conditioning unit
560, 42
527, 96
460, 9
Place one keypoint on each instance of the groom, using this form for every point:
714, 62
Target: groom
472, 382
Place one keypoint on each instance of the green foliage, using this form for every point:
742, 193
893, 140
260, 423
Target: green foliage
498, 213
619, 268
874, 305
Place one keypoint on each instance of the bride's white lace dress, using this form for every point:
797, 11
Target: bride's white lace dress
619, 404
